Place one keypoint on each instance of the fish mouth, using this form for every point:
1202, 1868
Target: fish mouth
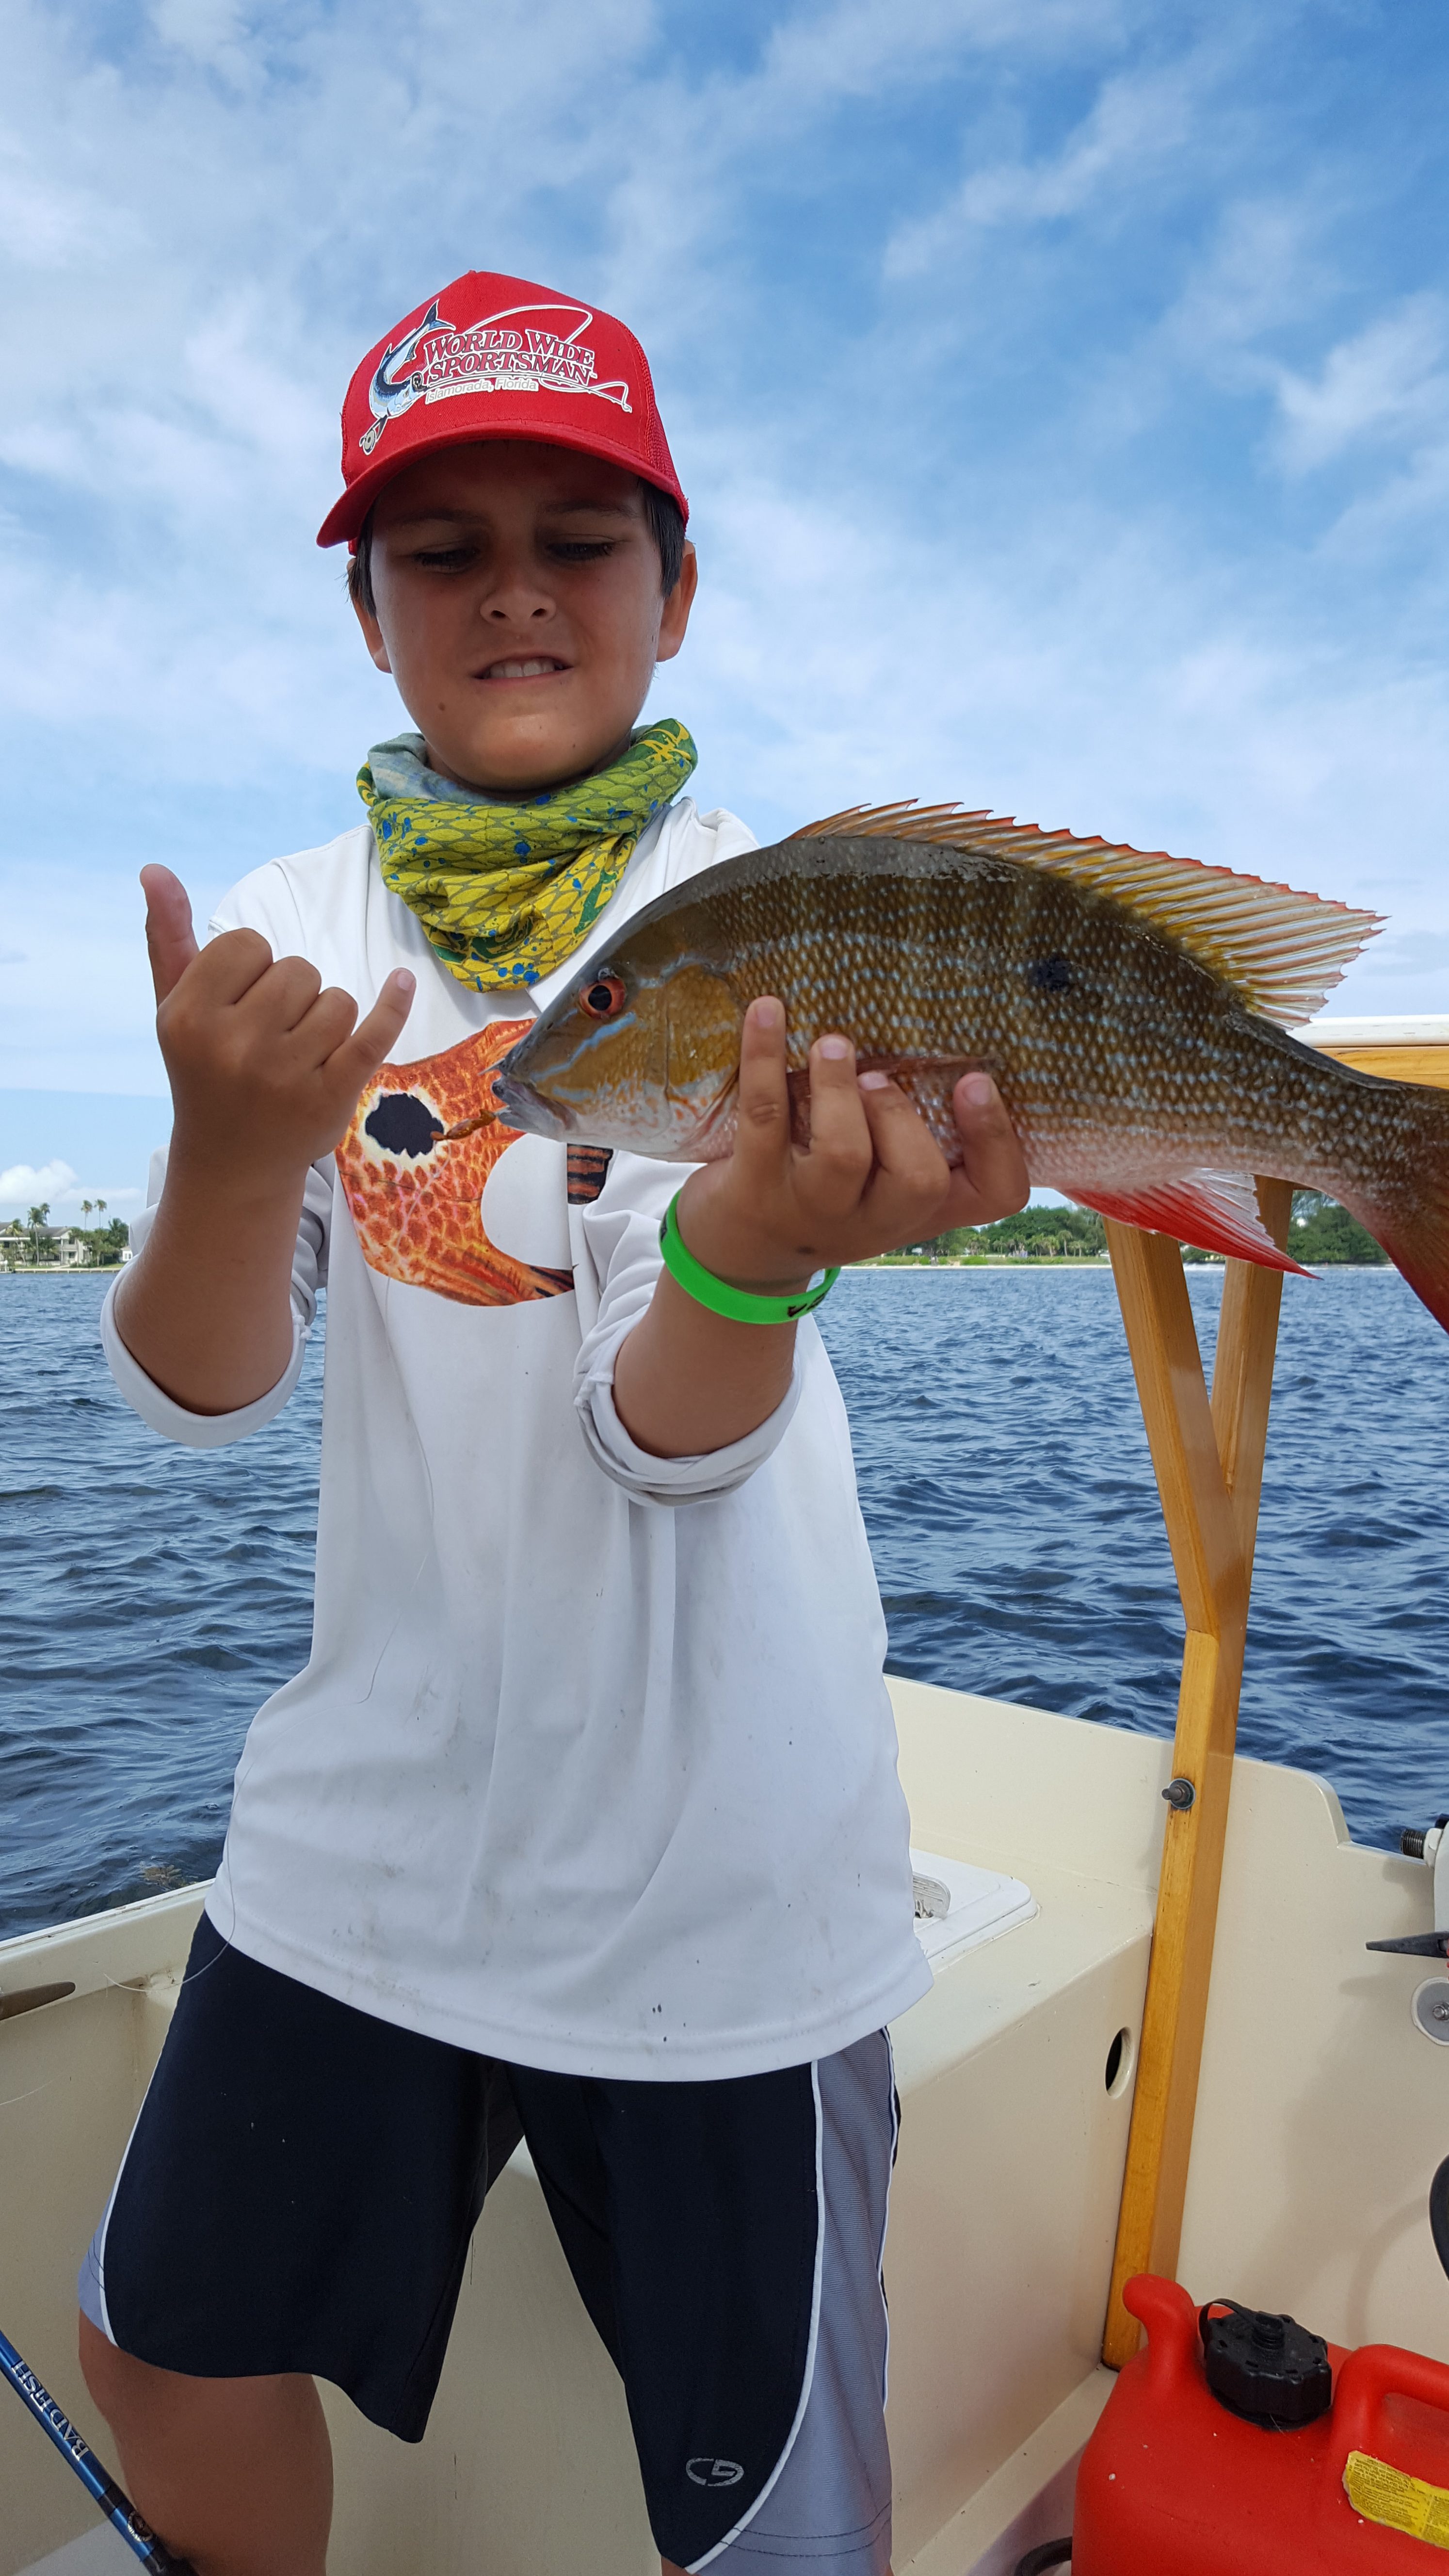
527, 1109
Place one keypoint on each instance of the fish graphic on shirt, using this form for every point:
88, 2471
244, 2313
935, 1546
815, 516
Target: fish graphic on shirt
413, 1164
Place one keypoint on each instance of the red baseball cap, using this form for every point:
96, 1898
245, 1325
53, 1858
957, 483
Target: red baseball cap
494, 357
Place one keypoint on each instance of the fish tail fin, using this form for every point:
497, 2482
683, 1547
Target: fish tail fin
1412, 1222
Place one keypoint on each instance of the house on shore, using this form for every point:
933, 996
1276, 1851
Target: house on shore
42, 1247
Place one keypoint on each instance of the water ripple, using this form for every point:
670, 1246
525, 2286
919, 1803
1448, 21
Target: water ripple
150, 1597
1008, 1492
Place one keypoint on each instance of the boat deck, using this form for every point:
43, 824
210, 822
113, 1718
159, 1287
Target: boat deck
1016, 2074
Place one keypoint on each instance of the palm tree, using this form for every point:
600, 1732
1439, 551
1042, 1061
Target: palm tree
39, 1215
100, 1207
85, 1207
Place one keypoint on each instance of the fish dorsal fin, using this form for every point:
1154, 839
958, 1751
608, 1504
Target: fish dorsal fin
1280, 952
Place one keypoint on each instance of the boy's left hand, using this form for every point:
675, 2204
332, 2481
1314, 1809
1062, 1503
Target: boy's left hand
871, 1179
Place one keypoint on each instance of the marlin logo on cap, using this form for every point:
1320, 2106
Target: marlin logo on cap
504, 353
392, 389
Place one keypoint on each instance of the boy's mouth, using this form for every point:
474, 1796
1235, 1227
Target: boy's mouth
537, 666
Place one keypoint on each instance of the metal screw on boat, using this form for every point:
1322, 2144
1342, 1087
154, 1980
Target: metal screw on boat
1429, 2008
1180, 1795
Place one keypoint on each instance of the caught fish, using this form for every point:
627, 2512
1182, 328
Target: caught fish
1134, 1008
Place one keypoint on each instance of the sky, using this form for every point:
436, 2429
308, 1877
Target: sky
1061, 388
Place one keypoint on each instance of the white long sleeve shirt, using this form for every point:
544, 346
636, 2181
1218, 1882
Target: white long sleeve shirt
592, 1765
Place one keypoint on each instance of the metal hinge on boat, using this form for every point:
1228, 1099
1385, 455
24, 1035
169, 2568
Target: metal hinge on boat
1429, 2005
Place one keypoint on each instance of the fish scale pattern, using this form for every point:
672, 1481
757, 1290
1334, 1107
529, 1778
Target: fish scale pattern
1137, 1076
1281, 951
932, 962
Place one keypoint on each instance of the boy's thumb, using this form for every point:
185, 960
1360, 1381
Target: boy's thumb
169, 935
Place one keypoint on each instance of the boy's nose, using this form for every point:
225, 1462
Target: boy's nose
516, 595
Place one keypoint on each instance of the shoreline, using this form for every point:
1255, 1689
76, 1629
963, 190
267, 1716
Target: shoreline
1095, 1266
985, 1261
1099, 1267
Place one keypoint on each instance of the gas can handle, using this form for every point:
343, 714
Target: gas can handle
1368, 2376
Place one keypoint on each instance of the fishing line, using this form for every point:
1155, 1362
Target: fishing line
99, 2485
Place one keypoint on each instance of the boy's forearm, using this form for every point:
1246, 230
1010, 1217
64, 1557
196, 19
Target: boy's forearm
205, 1309
687, 1381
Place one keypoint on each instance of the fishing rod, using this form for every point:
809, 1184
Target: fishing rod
99, 2485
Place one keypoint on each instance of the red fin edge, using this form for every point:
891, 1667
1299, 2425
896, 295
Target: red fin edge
1216, 1213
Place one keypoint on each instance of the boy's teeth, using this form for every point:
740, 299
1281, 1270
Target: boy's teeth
521, 670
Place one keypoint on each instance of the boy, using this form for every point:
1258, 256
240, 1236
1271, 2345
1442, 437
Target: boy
582, 1820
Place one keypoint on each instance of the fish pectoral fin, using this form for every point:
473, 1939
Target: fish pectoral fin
1216, 1211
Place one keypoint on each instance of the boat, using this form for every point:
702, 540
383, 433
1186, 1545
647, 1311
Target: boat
1155, 2041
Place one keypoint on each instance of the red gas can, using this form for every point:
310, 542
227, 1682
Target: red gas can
1175, 2483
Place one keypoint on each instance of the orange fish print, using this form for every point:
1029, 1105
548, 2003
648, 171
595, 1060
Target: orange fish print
423, 1140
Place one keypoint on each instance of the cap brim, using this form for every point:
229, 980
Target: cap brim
344, 520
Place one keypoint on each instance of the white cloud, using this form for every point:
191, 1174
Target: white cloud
81, 1015
23, 1186
201, 230
1263, 269
210, 31
1083, 675
1375, 403
855, 46
23, 1181
1137, 123
1387, 382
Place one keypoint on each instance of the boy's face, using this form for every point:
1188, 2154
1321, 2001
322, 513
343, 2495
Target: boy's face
519, 610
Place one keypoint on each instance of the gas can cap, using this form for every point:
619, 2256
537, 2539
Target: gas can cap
1269, 2369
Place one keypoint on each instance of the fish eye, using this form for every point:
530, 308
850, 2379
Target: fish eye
603, 999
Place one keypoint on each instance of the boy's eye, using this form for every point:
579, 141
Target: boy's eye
569, 550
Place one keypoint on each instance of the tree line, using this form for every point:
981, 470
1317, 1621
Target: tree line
104, 1244
1322, 1233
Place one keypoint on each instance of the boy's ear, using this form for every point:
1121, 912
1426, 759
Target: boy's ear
677, 606
372, 635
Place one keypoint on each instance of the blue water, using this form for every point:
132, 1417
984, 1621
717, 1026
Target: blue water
151, 1596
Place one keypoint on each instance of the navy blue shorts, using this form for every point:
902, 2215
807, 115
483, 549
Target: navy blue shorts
303, 2180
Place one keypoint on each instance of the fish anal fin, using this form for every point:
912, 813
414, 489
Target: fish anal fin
1216, 1211
1281, 952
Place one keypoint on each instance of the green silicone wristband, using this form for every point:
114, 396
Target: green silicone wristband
741, 1305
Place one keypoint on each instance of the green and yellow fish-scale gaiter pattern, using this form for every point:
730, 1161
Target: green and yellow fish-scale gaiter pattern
506, 892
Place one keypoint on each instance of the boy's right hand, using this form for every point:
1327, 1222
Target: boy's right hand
266, 1068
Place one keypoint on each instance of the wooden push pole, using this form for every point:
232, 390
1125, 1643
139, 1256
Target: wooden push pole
1208, 1457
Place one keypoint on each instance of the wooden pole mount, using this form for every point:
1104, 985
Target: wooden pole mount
1207, 1453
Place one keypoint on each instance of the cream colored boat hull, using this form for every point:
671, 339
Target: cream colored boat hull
1321, 2115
